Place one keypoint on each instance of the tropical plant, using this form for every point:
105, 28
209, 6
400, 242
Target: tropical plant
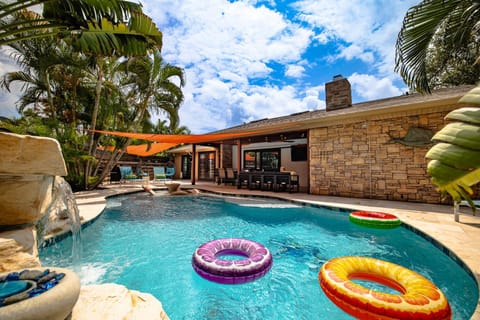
454, 21
455, 159
50, 78
453, 25
448, 68
163, 127
150, 85
100, 26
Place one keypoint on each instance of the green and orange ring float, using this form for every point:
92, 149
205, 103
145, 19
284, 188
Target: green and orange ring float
418, 299
375, 219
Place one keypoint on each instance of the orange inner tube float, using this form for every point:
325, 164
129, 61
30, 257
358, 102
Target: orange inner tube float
419, 298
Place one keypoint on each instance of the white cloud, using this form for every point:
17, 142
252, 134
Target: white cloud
8, 99
355, 52
244, 61
365, 29
294, 71
371, 88
7, 105
235, 43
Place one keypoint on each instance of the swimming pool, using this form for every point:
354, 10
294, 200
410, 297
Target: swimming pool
146, 243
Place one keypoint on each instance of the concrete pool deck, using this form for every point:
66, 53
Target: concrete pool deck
437, 221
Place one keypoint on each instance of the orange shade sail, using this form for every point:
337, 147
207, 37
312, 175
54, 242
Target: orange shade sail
144, 150
180, 138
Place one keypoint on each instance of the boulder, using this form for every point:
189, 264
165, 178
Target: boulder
112, 302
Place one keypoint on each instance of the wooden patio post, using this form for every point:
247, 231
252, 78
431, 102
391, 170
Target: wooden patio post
239, 155
194, 162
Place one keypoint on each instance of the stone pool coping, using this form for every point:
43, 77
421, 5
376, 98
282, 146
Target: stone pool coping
436, 221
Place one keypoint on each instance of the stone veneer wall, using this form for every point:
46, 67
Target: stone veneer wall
360, 160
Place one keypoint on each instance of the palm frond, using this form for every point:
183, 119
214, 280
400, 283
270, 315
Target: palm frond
418, 29
106, 27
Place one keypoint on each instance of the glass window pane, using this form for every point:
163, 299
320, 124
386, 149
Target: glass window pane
249, 160
270, 160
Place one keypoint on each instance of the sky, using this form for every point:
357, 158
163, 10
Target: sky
247, 60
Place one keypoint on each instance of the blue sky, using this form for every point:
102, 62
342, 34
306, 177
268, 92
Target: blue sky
246, 60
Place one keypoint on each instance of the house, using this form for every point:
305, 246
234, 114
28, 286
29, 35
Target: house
373, 149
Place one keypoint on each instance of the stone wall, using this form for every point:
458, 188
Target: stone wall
361, 160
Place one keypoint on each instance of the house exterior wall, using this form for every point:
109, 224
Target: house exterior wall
361, 160
300, 167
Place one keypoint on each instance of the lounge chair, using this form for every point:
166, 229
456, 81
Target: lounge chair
457, 205
170, 172
159, 174
221, 176
127, 173
230, 176
475, 202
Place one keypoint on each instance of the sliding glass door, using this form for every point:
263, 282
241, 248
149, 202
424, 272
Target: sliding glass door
262, 160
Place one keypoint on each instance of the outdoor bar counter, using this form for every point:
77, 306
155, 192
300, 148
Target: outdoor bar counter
268, 180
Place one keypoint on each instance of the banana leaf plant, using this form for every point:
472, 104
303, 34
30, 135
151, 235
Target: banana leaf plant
454, 165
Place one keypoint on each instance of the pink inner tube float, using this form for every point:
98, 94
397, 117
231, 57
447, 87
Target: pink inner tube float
207, 261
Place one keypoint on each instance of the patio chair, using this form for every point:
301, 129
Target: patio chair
221, 176
476, 203
230, 176
127, 173
170, 173
140, 172
159, 174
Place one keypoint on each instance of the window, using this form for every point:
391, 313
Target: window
299, 153
266, 160
206, 165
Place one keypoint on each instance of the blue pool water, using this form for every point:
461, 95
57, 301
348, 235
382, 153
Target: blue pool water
146, 243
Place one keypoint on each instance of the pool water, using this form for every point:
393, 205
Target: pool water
146, 243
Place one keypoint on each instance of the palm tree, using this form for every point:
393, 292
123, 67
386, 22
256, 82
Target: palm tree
51, 77
455, 21
152, 87
455, 159
101, 26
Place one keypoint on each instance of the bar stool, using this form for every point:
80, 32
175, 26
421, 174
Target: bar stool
255, 181
268, 182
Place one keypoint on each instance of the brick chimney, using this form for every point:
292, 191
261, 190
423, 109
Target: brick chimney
338, 93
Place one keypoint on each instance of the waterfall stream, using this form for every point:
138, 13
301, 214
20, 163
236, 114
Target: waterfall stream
62, 216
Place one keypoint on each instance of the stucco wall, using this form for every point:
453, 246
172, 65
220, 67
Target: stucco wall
361, 160
300, 167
